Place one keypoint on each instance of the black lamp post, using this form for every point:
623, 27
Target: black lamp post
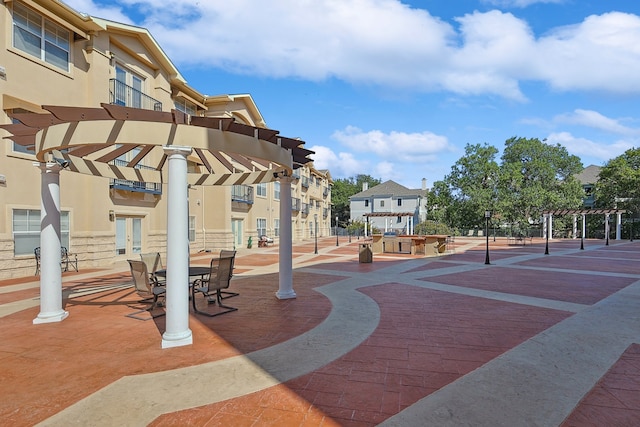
582, 234
336, 230
315, 218
546, 246
487, 215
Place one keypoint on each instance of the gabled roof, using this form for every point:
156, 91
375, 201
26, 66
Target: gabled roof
589, 175
389, 189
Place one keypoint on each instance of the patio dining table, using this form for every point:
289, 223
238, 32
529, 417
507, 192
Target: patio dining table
194, 271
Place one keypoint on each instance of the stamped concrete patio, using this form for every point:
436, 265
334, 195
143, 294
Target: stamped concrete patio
530, 340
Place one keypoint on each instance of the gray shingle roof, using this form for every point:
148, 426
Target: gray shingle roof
389, 188
589, 175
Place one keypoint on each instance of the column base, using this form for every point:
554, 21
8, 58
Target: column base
58, 316
177, 340
286, 295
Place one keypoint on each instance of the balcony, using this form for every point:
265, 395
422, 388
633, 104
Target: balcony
325, 192
242, 194
127, 96
296, 174
135, 186
325, 213
305, 208
305, 181
295, 204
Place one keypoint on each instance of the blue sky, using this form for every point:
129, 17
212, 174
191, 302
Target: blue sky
397, 89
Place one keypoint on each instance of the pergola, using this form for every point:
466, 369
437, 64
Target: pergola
88, 140
391, 215
575, 212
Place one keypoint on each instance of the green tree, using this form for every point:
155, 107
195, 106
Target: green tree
343, 189
472, 185
618, 183
536, 176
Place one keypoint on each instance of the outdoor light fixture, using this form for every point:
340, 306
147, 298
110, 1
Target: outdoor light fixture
547, 221
315, 218
487, 215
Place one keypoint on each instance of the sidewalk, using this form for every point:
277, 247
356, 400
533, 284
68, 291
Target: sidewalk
529, 340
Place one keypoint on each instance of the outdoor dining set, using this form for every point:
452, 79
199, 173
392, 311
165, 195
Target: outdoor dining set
149, 280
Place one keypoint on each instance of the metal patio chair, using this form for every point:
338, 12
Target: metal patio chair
147, 287
221, 271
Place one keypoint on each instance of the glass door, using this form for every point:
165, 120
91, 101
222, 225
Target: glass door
128, 235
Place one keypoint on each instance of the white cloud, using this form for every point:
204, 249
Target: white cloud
399, 146
110, 12
519, 3
582, 147
594, 119
340, 164
390, 44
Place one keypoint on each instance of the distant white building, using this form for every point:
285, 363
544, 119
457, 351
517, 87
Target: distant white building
390, 207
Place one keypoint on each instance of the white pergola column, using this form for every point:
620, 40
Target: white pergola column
575, 226
619, 226
545, 225
606, 226
550, 226
285, 262
177, 332
584, 226
50, 242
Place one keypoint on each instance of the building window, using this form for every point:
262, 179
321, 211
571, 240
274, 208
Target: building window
382, 203
17, 148
186, 106
261, 226
276, 190
366, 203
129, 88
40, 37
26, 230
262, 190
192, 228
276, 227
399, 202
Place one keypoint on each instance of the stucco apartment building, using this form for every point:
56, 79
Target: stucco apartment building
390, 206
54, 55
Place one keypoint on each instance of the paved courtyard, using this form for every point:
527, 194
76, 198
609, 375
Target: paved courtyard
529, 340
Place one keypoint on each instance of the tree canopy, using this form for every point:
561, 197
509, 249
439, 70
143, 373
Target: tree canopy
531, 177
343, 189
619, 182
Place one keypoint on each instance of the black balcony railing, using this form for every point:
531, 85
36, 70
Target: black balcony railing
295, 204
242, 194
127, 96
137, 186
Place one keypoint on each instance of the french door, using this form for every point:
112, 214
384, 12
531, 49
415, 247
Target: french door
128, 235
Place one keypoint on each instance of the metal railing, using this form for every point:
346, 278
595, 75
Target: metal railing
242, 194
127, 96
137, 186
295, 204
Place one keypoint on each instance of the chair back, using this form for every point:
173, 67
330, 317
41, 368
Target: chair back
223, 272
224, 253
140, 276
152, 260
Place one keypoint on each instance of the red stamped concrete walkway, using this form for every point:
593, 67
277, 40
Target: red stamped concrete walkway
531, 339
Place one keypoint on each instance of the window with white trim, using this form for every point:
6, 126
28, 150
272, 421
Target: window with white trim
192, 228
261, 226
26, 230
40, 37
276, 227
261, 189
276, 190
17, 148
